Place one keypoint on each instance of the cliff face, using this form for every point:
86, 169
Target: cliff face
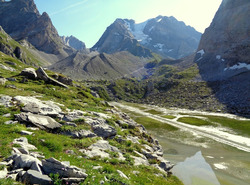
118, 38
163, 35
21, 20
225, 46
74, 43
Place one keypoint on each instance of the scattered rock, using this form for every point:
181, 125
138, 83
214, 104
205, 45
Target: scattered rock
2, 81
11, 86
11, 122
3, 173
26, 162
103, 130
54, 166
7, 68
29, 73
41, 74
24, 132
74, 115
37, 106
80, 134
42, 122
23, 142
34, 177
122, 174
140, 161
6, 115
6, 101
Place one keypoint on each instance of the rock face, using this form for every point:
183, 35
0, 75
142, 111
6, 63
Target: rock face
163, 35
225, 46
43, 122
21, 20
117, 37
74, 43
54, 166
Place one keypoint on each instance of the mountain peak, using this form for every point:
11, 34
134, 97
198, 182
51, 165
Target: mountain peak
164, 35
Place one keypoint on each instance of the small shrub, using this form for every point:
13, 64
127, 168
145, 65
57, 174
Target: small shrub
56, 179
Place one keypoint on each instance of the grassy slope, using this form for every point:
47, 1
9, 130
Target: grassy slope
57, 146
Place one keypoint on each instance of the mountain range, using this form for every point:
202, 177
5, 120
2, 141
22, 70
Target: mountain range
163, 35
129, 49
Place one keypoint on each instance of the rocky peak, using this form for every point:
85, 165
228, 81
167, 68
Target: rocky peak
224, 48
118, 37
21, 20
74, 43
164, 35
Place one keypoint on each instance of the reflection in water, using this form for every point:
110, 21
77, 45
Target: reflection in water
195, 171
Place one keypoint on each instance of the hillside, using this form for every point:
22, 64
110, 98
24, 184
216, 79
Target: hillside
95, 66
57, 131
22, 21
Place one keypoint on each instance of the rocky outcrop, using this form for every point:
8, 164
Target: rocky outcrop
54, 166
29, 73
36, 106
42, 122
224, 48
118, 38
74, 43
21, 20
28, 169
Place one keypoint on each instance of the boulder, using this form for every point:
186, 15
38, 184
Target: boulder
74, 115
41, 74
29, 73
7, 68
3, 173
6, 101
2, 81
34, 177
26, 162
42, 122
122, 174
54, 166
103, 130
166, 165
140, 161
23, 142
73, 181
36, 106
100, 149
80, 134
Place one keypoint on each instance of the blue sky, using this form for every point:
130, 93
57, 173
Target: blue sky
88, 19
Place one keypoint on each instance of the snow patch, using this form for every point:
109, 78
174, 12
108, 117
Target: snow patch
159, 46
202, 52
238, 66
159, 20
138, 32
151, 28
218, 57
210, 157
220, 166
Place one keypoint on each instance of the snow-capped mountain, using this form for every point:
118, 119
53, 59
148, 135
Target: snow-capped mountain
163, 35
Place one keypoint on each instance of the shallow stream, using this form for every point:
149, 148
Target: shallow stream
201, 157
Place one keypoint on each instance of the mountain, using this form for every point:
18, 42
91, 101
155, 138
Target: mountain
163, 35
117, 38
225, 46
96, 66
74, 43
21, 20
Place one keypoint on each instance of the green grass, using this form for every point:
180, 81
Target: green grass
195, 121
152, 111
169, 116
150, 123
240, 126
